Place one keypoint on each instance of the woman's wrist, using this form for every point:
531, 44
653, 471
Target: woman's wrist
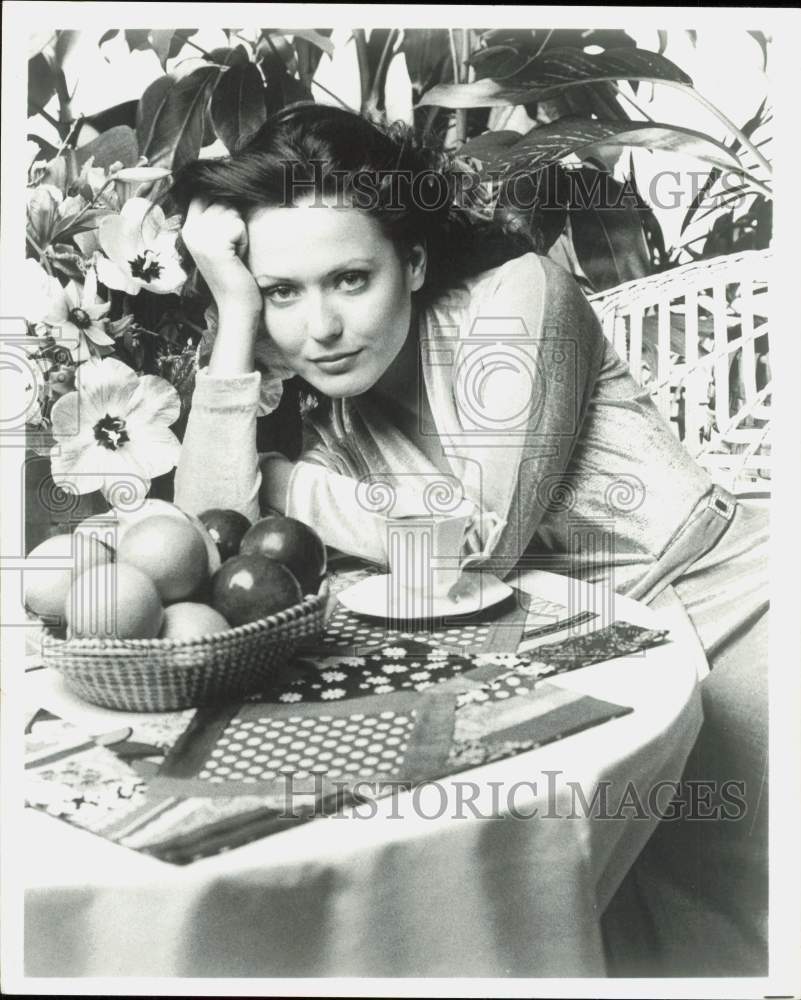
234, 344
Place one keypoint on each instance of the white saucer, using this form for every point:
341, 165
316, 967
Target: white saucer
373, 597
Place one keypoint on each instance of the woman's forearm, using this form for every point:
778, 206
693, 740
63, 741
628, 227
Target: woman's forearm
233, 351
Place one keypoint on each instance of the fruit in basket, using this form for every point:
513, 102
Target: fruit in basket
113, 601
252, 586
117, 523
189, 620
171, 551
292, 543
227, 529
46, 589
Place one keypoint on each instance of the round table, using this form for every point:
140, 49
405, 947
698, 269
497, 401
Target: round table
514, 886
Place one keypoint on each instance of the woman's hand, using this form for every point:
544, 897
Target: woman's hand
217, 239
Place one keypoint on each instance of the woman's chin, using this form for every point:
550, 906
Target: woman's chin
344, 385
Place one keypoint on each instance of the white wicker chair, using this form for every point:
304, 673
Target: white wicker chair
698, 335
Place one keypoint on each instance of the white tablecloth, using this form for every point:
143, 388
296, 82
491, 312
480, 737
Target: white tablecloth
398, 894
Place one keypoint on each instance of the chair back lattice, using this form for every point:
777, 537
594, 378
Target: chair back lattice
697, 336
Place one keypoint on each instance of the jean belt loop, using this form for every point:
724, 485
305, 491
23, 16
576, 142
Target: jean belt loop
722, 502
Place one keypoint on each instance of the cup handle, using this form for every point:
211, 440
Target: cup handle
497, 524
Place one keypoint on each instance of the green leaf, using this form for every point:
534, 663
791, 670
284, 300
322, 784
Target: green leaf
549, 143
608, 237
551, 73
138, 39
236, 56
170, 117
117, 145
41, 83
309, 55
314, 37
427, 58
237, 105
161, 42
490, 146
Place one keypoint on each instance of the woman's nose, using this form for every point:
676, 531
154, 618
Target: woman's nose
324, 322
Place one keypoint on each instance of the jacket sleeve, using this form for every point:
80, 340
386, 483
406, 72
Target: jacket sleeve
548, 347
219, 465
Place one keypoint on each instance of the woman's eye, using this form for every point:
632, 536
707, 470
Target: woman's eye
280, 293
353, 280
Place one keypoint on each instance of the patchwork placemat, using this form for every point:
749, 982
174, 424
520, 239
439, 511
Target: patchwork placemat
497, 628
399, 715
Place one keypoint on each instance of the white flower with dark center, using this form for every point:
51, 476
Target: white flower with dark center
114, 427
74, 313
139, 244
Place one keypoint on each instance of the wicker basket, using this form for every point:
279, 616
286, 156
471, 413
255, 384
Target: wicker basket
160, 675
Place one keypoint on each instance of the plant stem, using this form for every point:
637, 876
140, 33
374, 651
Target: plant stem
740, 136
347, 107
460, 119
632, 102
48, 117
42, 256
376, 91
188, 41
363, 59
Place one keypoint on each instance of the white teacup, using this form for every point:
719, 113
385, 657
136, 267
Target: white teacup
425, 555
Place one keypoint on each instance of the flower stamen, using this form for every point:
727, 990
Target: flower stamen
81, 318
110, 432
145, 266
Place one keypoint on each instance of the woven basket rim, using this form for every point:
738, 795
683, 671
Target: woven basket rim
308, 606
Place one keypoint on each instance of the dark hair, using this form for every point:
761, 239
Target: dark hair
417, 194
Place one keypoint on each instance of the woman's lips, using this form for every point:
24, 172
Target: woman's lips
336, 363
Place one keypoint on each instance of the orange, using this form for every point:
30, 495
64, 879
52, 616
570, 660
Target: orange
113, 601
46, 589
188, 620
171, 551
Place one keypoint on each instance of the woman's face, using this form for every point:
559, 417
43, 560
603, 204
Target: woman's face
337, 296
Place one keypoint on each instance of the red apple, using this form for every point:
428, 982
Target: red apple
252, 586
227, 528
292, 543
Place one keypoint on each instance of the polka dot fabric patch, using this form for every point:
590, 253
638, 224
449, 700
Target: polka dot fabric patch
347, 631
264, 749
407, 666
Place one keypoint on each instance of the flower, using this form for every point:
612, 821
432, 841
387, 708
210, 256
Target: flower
384, 689
397, 651
139, 244
420, 675
394, 668
333, 693
333, 675
116, 425
290, 696
76, 312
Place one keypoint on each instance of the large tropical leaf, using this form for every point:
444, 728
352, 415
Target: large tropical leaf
116, 145
548, 144
535, 203
427, 59
237, 105
309, 52
552, 72
170, 118
41, 83
608, 233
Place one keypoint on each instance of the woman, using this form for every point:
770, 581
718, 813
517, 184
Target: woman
439, 347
